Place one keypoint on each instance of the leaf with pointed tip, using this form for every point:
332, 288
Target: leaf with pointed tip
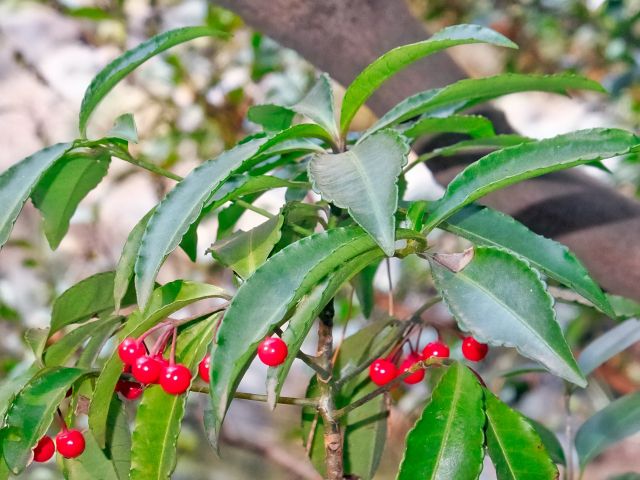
29, 416
481, 145
284, 279
472, 91
514, 164
118, 438
484, 226
623, 307
272, 118
501, 300
472, 125
124, 128
364, 180
243, 252
119, 68
376, 73
165, 300
609, 345
616, 421
155, 437
514, 446
364, 288
60, 190
179, 209
549, 440
17, 183
447, 440
317, 105
93, 463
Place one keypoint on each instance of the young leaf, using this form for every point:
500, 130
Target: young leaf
63, 186
484, 226
317, 105
501, 300
472, 91
472, 125
623, 307
514, 164
155, 436
374, 75
514, 446
243, 252
609, 345
447, 440
179, 209
272, 118
124, 128
364, 181
119, 68
31, 413
549, 440
18, 181
618, 420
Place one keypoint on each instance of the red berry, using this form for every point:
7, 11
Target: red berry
474, 350
382, 371
130, 350
44, 450
272, 351
435, 349
203, 368
129, 390
415, 377
147, 369
70, 443
175, 379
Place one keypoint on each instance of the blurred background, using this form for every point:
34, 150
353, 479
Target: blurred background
190, 104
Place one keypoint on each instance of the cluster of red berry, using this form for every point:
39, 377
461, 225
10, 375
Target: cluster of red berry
69, 443
384, 370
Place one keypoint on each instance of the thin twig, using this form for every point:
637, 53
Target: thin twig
152, 167
569, 471
253, 208
256, 397
390, 293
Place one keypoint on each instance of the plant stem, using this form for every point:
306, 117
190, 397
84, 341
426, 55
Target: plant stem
151, 167
302, 402
419, 160
253, 208
390, 282
569, 471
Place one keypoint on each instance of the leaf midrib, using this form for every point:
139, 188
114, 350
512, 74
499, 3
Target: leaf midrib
490, 424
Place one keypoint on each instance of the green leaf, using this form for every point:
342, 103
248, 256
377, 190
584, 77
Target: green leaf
18, 181
119, 68
618, 420
283, 279
374, 75
317, 105
447, 440
481, 145
155, 436
243, 252
9, 388
163, 302
118, 438
31, 413
501, 300
63, 186
365, 291
91, 464
84, 300
124, 128
472, 91
272, 118
514, 446
484, 226
364, 181
514, 164
550, 441
623, 307
472, 125
179, 209
609, 345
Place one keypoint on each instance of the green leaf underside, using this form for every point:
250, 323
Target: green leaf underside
472, 91
91, 464
29, 416
481, 144
550, 441
155, 436
447, 441
119, 68
484, 226
63, 186
365, 429
305, 314
618, 420
283, 279
501, 300
317, 105
472, 125
124, 128
397, 59
17, 182
163, 302
514, 164
364, 181
609, 345
514, 446
179, 209
243, 252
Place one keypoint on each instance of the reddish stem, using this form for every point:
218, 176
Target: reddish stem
161, 343
172, 355
63, 424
